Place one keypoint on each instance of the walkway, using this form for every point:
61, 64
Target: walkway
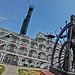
13, 70
10, 70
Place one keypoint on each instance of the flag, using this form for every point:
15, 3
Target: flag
39, 47
22, 52
25, 36
50, 44
51, 51
49, 59
24, 44
47, 33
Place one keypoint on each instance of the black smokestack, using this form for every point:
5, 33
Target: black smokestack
26, 21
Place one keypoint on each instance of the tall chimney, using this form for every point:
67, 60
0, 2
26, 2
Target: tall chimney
26, 21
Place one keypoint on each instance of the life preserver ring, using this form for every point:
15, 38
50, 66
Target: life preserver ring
22, 52
24, 44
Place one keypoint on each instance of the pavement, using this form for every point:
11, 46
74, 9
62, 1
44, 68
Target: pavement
13, 70
10, 70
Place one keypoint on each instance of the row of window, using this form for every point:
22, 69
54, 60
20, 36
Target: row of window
13, 48
16, 39
33, 54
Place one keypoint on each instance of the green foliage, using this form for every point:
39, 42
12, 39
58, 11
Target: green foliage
2, 69
28, 72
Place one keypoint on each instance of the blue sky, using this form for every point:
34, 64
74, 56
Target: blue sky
48, 15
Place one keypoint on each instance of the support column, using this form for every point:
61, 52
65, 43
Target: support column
2, 57
19, 61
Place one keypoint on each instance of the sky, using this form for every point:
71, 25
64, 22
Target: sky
48, 15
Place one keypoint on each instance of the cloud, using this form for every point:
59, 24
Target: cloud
3, 18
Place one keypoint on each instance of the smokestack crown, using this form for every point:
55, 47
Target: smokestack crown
31, 7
